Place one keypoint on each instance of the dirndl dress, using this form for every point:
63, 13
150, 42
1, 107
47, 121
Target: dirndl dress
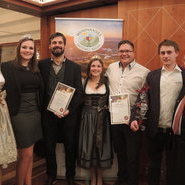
95, 147
8, 150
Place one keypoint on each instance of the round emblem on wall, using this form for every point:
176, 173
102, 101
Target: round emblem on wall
89, 39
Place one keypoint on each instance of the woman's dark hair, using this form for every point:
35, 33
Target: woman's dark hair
102, 78
33, 61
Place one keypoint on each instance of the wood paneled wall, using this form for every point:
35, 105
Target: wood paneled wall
47, 27
146, 23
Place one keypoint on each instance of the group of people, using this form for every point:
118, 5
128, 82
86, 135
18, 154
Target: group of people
85, 127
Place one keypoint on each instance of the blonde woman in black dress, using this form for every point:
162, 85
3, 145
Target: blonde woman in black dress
95, 151
23, 84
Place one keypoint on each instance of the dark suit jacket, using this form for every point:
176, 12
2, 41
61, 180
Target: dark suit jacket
153, 80
72, 77
182, 94
13, 88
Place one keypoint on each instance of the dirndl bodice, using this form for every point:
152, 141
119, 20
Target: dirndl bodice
99, 103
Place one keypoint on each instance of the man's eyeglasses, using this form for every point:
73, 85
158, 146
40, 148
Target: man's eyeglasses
125, 51
166, 52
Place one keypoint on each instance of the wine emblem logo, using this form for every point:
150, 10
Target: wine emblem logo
89, 39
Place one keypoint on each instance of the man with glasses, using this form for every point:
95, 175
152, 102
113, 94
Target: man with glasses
126, 76
166, 89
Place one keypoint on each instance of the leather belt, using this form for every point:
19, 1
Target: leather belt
164, 130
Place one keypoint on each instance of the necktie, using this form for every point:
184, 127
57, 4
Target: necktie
176, 126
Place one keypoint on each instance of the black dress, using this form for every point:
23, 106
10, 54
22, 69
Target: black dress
95, 148
27, 123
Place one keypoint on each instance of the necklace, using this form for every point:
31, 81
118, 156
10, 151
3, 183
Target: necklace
95, 81
27, 68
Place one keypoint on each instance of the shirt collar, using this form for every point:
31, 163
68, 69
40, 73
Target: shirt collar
176, 68
129, 66
56, 63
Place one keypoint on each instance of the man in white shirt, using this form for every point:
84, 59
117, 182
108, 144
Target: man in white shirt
165, 86
126, 76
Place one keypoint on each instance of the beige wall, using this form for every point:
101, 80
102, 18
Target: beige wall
13, 25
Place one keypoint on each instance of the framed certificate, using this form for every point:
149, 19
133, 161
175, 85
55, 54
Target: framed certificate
119, 109
61, 98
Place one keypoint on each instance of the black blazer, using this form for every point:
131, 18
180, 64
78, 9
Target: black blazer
72, 77
153, 80
13, 88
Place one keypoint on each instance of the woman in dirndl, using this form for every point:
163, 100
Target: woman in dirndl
95, 148
8, 150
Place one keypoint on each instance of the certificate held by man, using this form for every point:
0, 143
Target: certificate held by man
120, 109
61, 98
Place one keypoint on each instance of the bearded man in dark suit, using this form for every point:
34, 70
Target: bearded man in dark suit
53, 70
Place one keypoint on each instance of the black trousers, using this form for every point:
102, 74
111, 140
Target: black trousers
178, 154
159, 146
65, 129
127, 146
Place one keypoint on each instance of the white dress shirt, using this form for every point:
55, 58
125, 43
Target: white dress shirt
170, 86
128, 81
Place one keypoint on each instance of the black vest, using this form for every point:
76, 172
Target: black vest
54, 79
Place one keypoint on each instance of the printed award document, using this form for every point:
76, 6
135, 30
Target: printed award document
61, 98
119, 109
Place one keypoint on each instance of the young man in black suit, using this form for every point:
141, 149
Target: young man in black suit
60, 69
166, 89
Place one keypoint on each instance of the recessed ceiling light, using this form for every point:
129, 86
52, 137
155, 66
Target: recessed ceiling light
43, 1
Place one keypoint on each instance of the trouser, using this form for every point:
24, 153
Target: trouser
127, 146
178, 158
65, 127
157, 146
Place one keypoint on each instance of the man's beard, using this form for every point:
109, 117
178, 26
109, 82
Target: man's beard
57, 53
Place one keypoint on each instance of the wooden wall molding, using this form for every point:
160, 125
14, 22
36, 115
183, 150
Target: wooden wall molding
53, 9
20, 6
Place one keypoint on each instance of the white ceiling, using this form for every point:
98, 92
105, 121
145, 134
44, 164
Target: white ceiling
14, 25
